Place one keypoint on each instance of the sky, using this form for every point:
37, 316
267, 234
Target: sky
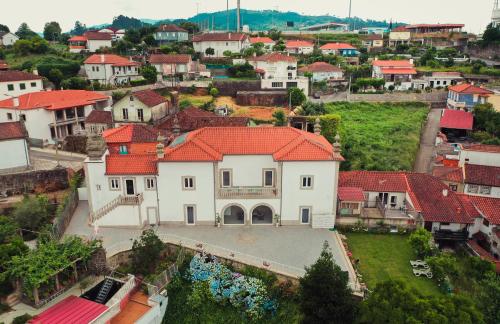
92, 12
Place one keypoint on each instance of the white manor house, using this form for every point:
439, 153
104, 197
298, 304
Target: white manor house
226, 176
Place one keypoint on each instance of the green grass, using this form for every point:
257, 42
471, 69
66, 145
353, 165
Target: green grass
387, 256
196, 101
461, 69
379, 136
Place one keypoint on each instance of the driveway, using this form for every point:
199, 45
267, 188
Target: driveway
428, 138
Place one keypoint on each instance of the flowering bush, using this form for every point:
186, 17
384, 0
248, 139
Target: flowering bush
242, 292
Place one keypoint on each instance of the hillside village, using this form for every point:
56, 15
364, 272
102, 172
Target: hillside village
189, 172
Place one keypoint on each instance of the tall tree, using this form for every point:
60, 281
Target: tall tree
324, 294
4, 28
146, 252
24, 31
491, 34
79, 28
52, 31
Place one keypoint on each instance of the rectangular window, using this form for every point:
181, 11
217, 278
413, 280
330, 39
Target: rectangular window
190, 214
150, 184
93, 69
277, 84
453, 187
123, 149
129, 187
97, 69
268, 178
472, 188
306, 182
22, 86
33, 84
114, 183
140, 114
10, 87
226, 178
9, 116
125, 113
485, 190
305, 215
486, 222
22, 117
188, 183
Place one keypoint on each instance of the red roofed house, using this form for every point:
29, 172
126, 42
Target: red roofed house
91, 41
406, 199
465, 96
456, 123
396, 73
279, 71
116, 33
170, 33
143, 106
220, 43
98, 121
268, 42
228, 175
373, 41
349, 52
15, 83
178, 65
120, 140
52, 115
399, 36
299, 47
322, 71
14, 145
111, 69
482, 180
481, 154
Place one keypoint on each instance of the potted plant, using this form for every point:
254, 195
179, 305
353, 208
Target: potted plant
217, 219
277, 220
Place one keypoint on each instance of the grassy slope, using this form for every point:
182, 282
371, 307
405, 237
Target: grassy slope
384, 257
379, 136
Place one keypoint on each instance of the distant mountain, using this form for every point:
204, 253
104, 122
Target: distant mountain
257, 20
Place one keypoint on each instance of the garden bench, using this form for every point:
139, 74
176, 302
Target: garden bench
422, 272
419, 263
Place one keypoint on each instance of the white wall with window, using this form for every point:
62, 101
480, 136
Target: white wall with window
482, 190
16, 88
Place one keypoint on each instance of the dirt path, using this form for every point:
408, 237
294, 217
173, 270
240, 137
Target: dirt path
427, 148
255, 112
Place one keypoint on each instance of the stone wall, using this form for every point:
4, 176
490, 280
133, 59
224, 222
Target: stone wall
34, 181
261, 98
435, 96
231, 88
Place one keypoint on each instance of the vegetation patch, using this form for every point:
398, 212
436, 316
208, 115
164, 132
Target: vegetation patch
379, 136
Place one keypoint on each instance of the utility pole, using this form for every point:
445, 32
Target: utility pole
238, 17
227, 15
350, 7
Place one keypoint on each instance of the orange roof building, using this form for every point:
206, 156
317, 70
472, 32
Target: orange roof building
111, 69
397, 73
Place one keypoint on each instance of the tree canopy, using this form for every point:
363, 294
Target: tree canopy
4, 28
146, 252
52, 31
24, 32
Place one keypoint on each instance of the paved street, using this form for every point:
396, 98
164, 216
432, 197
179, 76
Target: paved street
428, 138
47, 159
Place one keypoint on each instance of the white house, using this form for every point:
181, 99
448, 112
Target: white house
141, 107
266, 41
480, 154
51, 115
322, 71
170, 33
14, 144
398, 73
91, 41
172, 64
7, 39
220, 43
279, 71
111, 69
438, 79
482, 180
234, 176
299, 47
116, 34
15, 83
399, 36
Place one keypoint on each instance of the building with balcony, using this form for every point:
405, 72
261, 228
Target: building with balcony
465, 96
347, 51
170, 33
299, 47
111, 69
398, 73
90, 42
50, 116
232, 176
279, 71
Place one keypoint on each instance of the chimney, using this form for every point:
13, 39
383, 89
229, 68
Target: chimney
176, 128
96, 147
102, 58
317, 126
445, 192
336, 145
35, 72
411, 61
15, 102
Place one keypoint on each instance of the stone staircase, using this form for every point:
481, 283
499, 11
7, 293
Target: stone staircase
118, 201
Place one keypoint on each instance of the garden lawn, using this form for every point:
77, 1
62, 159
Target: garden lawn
196, 101
387, 256
379, 136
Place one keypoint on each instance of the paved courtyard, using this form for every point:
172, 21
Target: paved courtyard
289, 247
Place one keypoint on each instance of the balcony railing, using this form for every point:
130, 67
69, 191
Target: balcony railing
451, 235
248, 192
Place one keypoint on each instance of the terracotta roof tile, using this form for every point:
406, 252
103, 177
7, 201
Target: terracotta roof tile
95, 35
351, 194
489, 207
400, 29
298, 44
273, 57
171, 28
131, 133
109, 59
219, 37
393, 63
12, 130
483, 148
448, 174
337, 46
169, 59
470, 89
399, 71
149, 97
99, 117
377, 181
482, 175
12, 75
54, 100
264, 40
131, 164
320, 67
456, 119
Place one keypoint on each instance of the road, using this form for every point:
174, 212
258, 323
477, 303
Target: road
427, 149
49, 155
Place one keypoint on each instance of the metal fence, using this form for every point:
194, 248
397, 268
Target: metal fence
63, 218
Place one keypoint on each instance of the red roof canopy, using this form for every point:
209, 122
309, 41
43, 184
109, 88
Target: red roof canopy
456, 119
399, 71
298, 44
131, 164
482, 175
219, 37
169, 59
483, 148
320, 67
109, 59
131, 133
467, 88
351, 194
72, 309
264, 40
337, 46
12, 130
13, 75
54, 100
273, 57
149, 97
393, 63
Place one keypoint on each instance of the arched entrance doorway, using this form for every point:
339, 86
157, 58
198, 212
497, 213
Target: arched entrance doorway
262, 214
234, 215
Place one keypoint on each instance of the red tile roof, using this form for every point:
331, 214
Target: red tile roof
337, 46
470, 89
219, 37
456, 119
273, 57
171, 28
95, 35
131, 164
12, 75
113, 59
393, 64
482, 175
448, 174
377, 181
264, 40
78, 39
400, 29
489, 207
54, 100
483, 148
3, 65
131, 133
374, 37
298, 44
283, 143
399, 71
99, 117
149, 97
351, 194
435, 26
483, 254
169, 59
12, 130
72, 309
320, 67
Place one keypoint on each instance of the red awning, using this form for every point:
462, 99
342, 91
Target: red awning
456, 119
351, 194
74, 310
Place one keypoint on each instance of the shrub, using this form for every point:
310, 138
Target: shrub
420, 240
149, 73
22, 319
443, 265
146, 252
242, 71
136, 83
76, 83
214, 92
297, 96
279, 118
32, 213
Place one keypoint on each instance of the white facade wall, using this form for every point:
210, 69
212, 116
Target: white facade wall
16, 154
105, 75
94, 45
400, 198
8, 39
494, 191
480, 158
300, 50
276, 70
282, 84
29, 86
325, 76
454, 227
221, 46
37, 121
